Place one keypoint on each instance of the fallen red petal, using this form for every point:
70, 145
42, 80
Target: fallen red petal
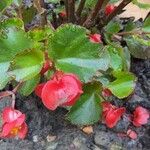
140, 116
132, 134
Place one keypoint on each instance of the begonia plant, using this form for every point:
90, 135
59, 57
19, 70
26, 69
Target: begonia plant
72, 56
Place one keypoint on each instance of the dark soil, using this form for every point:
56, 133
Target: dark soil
50, 131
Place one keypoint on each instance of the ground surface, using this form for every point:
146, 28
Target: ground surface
49, 130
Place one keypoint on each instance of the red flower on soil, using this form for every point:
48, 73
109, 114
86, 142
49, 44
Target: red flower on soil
106, 93
46, 67
132, 134
95, 38
13, 124
140, 116
109, 9
111, 114
62, 90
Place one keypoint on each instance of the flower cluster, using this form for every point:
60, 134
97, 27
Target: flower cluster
13, 124
62, 90
112, 114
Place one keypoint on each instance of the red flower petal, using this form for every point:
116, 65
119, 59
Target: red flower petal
62, 90
38, 89
6, 129
19, 121
62, 14
73, 88
109, 9
132, 134
9, 114
95, 38
140, 116
107, 106
113, 116
23, 131
53, 95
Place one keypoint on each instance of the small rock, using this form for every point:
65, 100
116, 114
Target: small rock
51, 146
88, 129
51, 138
35, 138
102, 139
80, 143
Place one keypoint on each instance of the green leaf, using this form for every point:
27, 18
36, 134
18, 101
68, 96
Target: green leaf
28, 14
87, 109
72, 51
17, 2
139, 48
12, 42
124, 84
90, 3
27, 65
141, 5
40, 34
4, 78
12, 22
29, 86
115, 59
146, 26
4, 4
112, 28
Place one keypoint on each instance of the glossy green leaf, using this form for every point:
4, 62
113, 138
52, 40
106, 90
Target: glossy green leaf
124, 84
115, 59
40, 34
72, 51
4, 78
139, 48
87, 109
12, 42
17, 2
111, 28
141, 5
28, 14
29, 86
4, 4
10, 23
27, 65
146, 26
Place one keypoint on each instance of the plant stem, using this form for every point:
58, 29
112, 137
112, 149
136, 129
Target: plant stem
80, 8
93, 14
71, 11
66, 7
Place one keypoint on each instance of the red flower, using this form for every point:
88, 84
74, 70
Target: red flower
38, 89
46, 67
111, 114
62, 90
95, 38
13, 124
106, 93
132, 134
63, 14
140, 116
109, 9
